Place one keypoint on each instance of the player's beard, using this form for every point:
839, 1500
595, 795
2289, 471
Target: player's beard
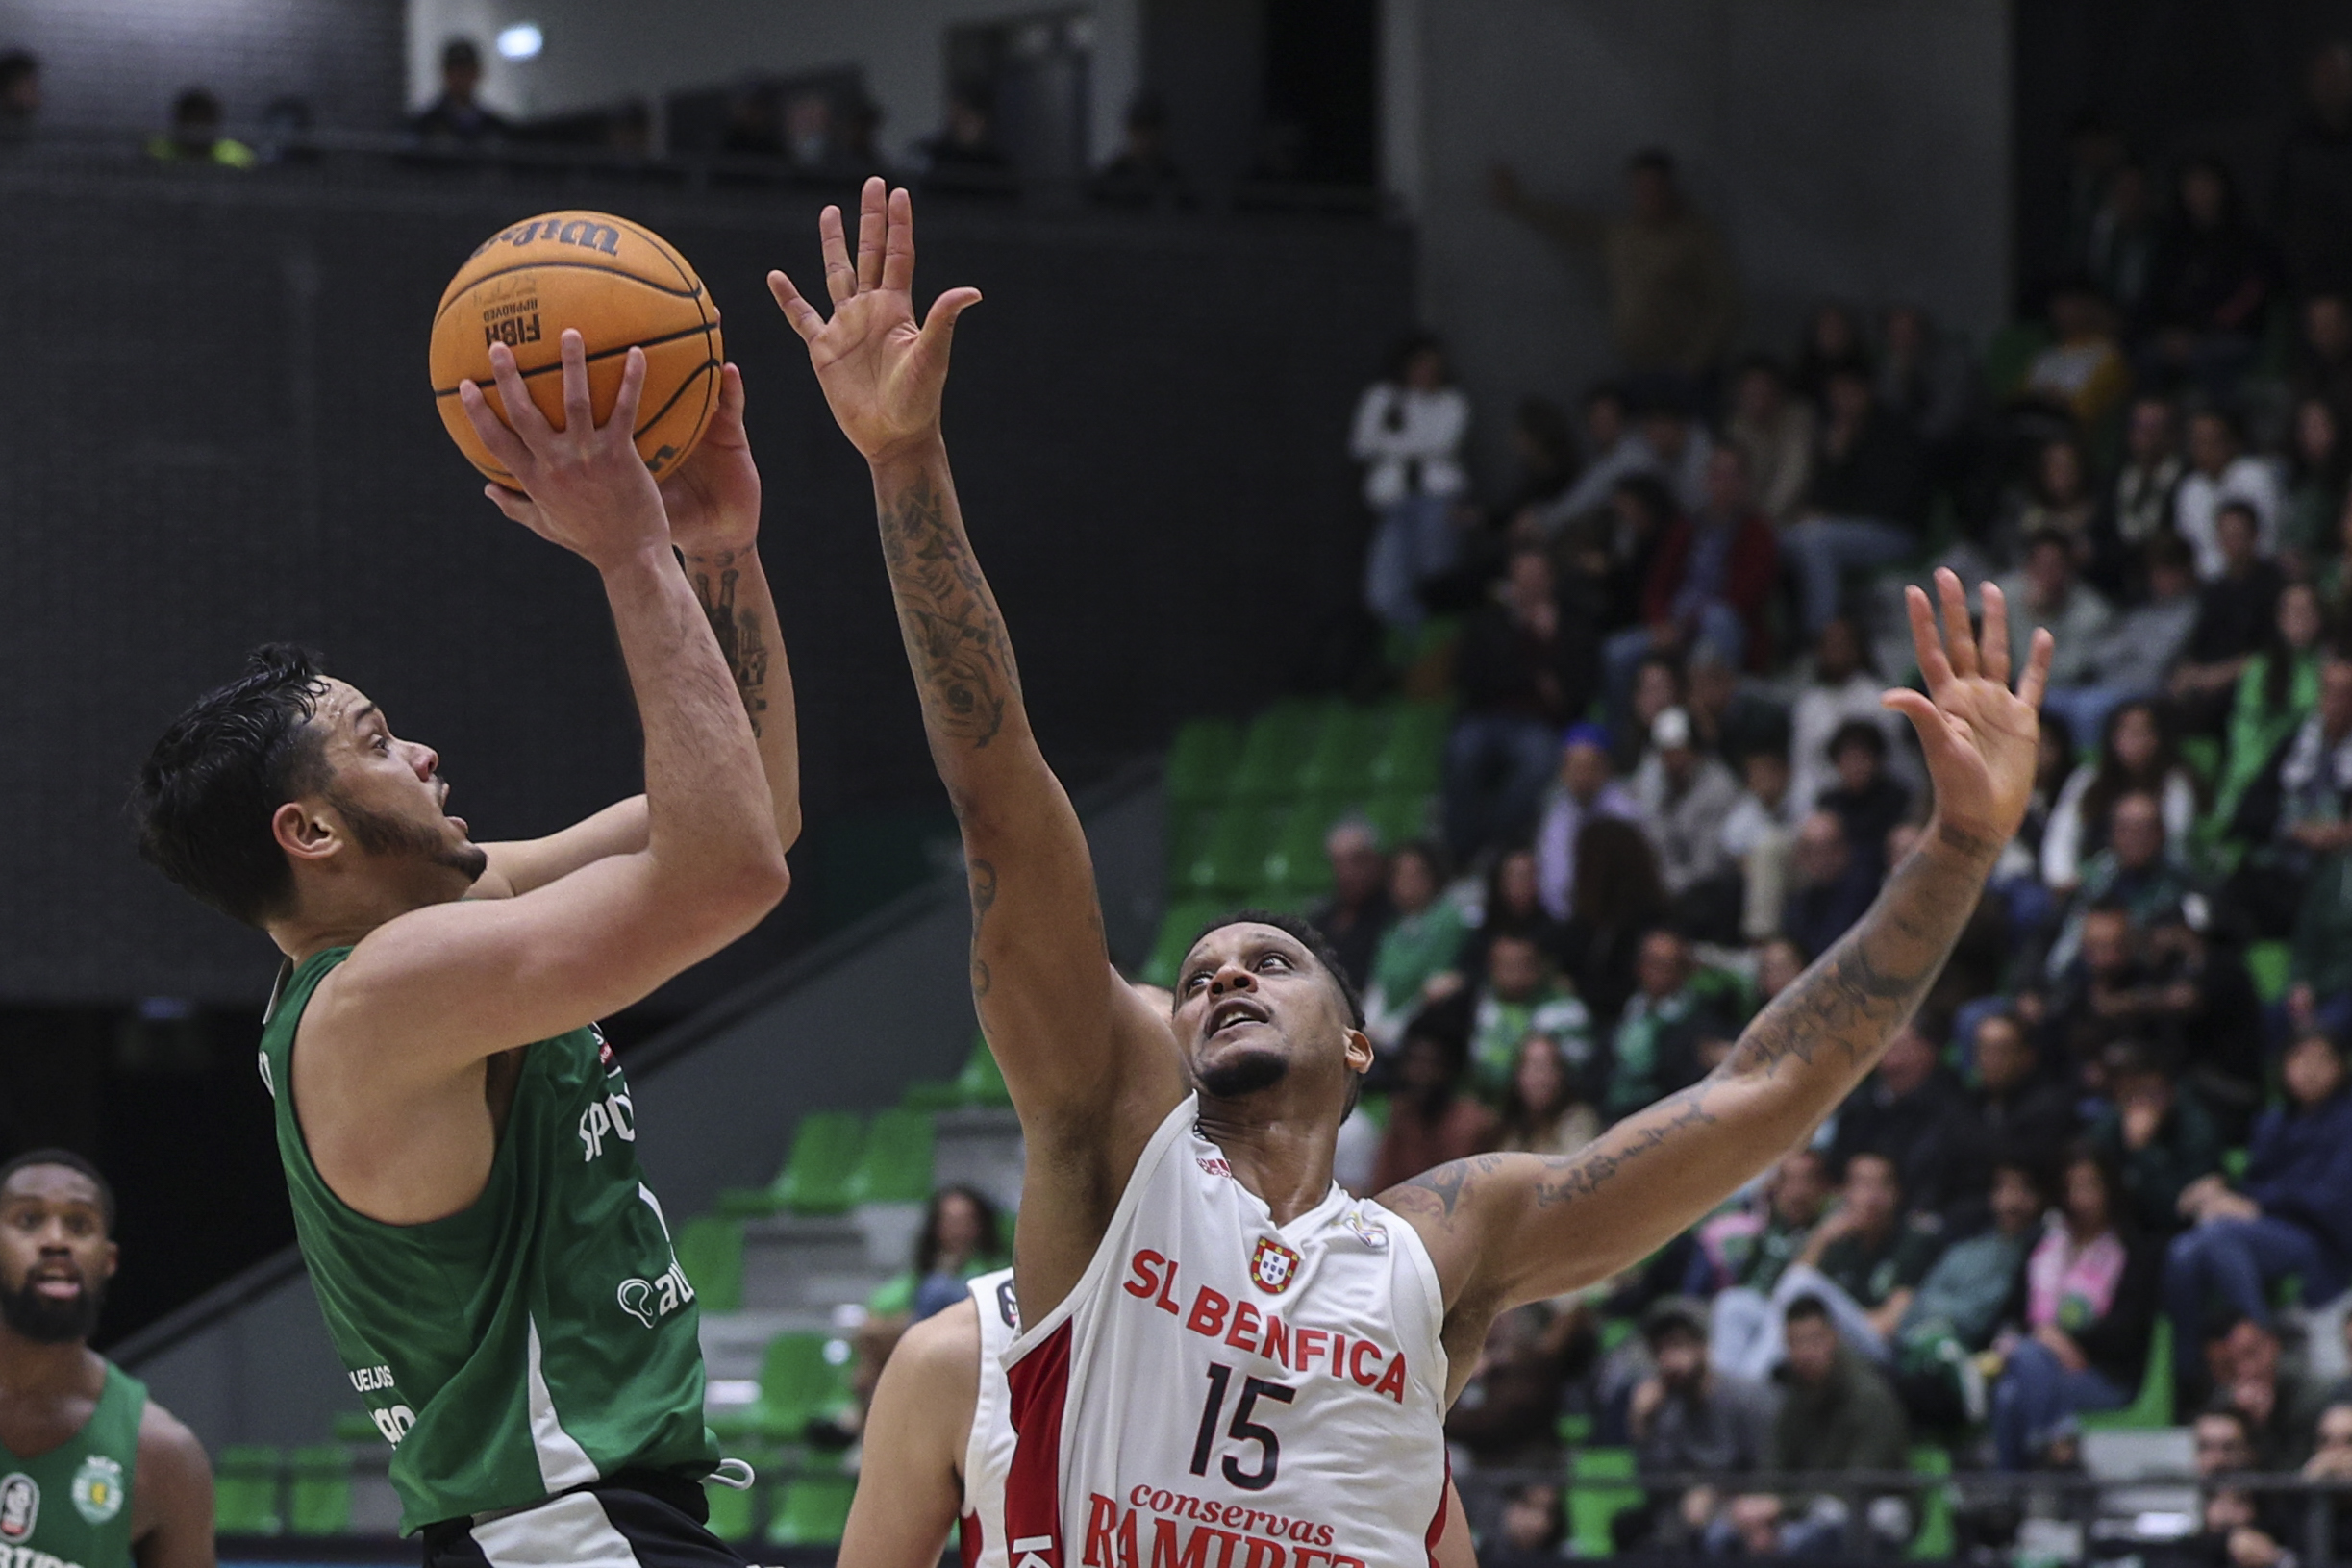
47, 1321
381, 833
1244, 1074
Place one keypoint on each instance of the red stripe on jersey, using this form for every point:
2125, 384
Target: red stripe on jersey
1437, 1524
1041, 1382
967, 1539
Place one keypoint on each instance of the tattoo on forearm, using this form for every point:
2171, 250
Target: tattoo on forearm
983, 877
1582, 1174
955, 639
740, 640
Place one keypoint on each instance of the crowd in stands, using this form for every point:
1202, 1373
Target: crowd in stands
2122, 1121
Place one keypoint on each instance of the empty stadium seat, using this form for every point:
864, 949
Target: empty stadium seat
982, 1082
245, 1491
731, 1512
2153, 1408
318, 1502
1274, 749
812, 1510
1599, 1490
1411, 758
799, 1380
895, 1167
1343, 747
710, 1250
1933, 1540
815, 1175
1182, 922
1201, 761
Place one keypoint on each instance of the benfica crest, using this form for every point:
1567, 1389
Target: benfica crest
1272, 1266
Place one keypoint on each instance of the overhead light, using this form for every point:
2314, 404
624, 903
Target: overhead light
521, 42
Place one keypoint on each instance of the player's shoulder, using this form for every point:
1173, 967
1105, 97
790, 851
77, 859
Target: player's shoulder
165, 1436
944, 1345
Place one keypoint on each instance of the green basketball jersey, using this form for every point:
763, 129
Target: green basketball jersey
534, 1342
70, 1507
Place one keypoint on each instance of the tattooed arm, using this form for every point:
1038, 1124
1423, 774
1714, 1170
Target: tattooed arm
1505, 1228
1091, 1066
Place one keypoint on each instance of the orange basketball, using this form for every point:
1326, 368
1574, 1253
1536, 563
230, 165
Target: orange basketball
622, 286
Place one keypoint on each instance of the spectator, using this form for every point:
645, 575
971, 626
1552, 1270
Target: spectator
2136, 755
1758, 835
19, 93
1778, 961
2058, 499
1657, 686
457, 119
2214, 274
2312, 193
1524, 669
2046, 592
2324, 359
1529, 1530
1834, 885
1521, 996
2292, 1214
2022, 1111
2158, 1137
1431, 1119
1832, 344
1422, 940
2083, 374
2089, 1310
2222, 472
1710, 583
1618, 896
1683, 795
1143, 174
1510, 904
1673, 293
1543, 1113
2120, 250
1731, 717
1508, 1415
1841, 686
2298, 813
2319, 461
1688, 1417
2242, 1528
1654, 1049
1585, 791
1865, 798
1837, 1414
2140, 505
1409, 430
1613, 450
2281, 1407
964, 155
1960, 1305
2135, 875
2331, 1462
1912, 1112
195, 136
1751, 1257
2236, 613
1543, 446
1357, 914
1925, 378
960, 1238
2133, 658
808, 140
1868, 489
2277, 690
1774, 432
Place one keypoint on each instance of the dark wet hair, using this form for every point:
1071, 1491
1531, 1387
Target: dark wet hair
72, 1161
207, 791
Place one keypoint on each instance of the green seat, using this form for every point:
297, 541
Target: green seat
245, 1491
815, 1175
895, 1167
1602, 1464
1411, 758
318, 1503
812, 1510
2152, 1410
1399, 818
1574, 1429
982, 1082
731, 1512
1295, 868
801, 1375
355, 1426
2268, 963
710, 1250
1343, 748
1933, 1540
1201, 761
1273, 751
1190, 828
1182, 922
1598, 1491
1233, 856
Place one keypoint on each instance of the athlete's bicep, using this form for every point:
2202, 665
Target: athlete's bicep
171, 1496
909, 1487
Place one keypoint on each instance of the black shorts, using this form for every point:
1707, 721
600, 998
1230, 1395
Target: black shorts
636, 1520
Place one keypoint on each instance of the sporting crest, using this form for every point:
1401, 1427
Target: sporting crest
98, 1489
1273, 1266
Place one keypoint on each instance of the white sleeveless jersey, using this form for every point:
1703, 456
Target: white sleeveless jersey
987, 1452
1223, 1392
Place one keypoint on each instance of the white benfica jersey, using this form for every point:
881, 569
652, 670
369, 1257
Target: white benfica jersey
987, 1452
1223, 1392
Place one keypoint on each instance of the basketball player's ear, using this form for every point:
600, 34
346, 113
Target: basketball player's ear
304, 833
1359, 1050
108, 1264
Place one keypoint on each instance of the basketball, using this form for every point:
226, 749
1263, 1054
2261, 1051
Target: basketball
622, 286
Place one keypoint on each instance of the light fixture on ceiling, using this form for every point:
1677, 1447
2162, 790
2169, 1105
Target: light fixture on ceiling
522, 41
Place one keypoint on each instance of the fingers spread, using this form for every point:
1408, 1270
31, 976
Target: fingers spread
515, 505
873, 230
503, 443
798, 311
1993, 650
1925, 644
841, 278
1959, 639
941, 324
632, 388
2037, 677
514, 398
898, 252
579, 414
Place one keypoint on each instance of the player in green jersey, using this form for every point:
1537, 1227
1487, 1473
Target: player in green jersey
459, 1144
92, 1474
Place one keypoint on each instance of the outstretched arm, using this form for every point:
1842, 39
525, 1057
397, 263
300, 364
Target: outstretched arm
1090, 1067
1505, 1228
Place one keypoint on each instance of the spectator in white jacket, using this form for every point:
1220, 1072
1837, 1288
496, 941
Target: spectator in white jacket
2220, 471
1842, 686
1408, 431
2137, 755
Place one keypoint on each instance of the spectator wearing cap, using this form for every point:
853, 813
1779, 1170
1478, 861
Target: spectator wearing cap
1358, 912
1868, 492
458, 118
1686, 1416
1585, 791
2156, 1135
1833, 884
1524, 670
1865, 799
1839, 687
1759, 834
1683, 795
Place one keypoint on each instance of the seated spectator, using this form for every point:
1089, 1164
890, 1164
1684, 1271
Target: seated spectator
1775, 433
1422, 943
2137, 872
1544, 1111
1512, 902
1961, 1303
1620, 895
1753, 1255
2019, 1108
960, 1238
1840, 688
1657, 686
2058, 499
1913, 1111
2137, 755
2281, 1407
2331, 1462
1143, 174
2322, 366
2120, 246
2276, 691
1868, 491
1612, 449
1520, 997
1710, 583
2319, 459
2298, 815
1529, 1530
2082, 374
457, 119
1729, 715
1524, 669
1832, 885
1837, 1414
1832, 343
2291, 1214
1683, 795
2215, 276
1926, 376
1408, 434
2047, 591
1759, 834
1508, 1412
1654, 1049
2089, 1308
1357, 914
1778, 961
1431, 1117
1688, 1417
964, 156
2242, 1528
2236, 613
2220, 471
1862, 795
1586, 788
2158, 1137
2140, 506
195, 136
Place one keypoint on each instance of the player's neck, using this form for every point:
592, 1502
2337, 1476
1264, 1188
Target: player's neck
1283, 1157
31, 1370
340, 915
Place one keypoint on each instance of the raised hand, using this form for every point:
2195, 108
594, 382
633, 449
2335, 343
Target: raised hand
714, 496
583, 485
1982, 739
880, 369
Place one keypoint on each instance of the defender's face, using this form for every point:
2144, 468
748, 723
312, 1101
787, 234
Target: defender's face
1253, 1006
52, 1243
388, 791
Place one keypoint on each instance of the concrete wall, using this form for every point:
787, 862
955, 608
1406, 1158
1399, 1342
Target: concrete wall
601, 51
1850, 148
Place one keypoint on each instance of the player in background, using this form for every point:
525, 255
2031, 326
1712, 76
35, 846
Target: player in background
939, 1439
92, 1473
459, 1142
